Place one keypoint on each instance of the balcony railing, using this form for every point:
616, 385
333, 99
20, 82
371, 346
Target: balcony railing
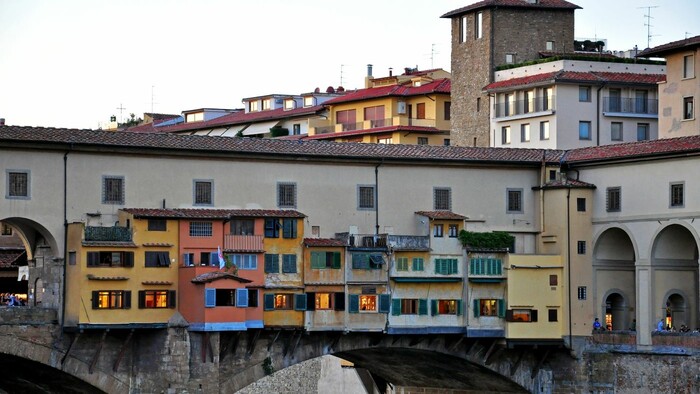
521, 107
108, 234
243, 243
631, 105
409, 242
324, 128
371, 241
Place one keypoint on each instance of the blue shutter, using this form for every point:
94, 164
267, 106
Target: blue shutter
209, 298
476, 307
269, 302
422, 307
272, 263
354, 301
299, 301
499, 267
384, 303
242, 298
214, 259
186, 260
289, 263
396, 307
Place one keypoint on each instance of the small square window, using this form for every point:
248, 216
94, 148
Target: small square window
505, 135
286, 195
688, 108
552, 315
203, 192
510, 58
642, 131
296, 129
157, 225
113, 190
446, 142
581, 204
584, 93
515, 201
582, 292
452, 231
442, 198
17, 184
200, 229
584, 130
677, 196
549, 46
616, 131
422, 140
438, 230
613, 199
5, 229
553, 280
365, 197
581, 247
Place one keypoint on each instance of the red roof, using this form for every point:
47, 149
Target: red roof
216, 275
232, 119
540, 4
323, 242
189, 213
567, 184
563, 76
671, 47
376, 130
442, 85
629, 150
441, 215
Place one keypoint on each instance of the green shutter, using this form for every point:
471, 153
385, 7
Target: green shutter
269, 302
142, 299
289, 263
336, 260
422, 307
396, 307
95, 298
459, 307
501, 307
127, 296
454, 267
354, 301
499, 267
434, 308
438, 266
172, 298
299, 302
475, 308
384, 303
316, 259
272, 265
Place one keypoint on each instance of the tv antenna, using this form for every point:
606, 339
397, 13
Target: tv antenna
433, 52
341, 74
121, 109
648, 22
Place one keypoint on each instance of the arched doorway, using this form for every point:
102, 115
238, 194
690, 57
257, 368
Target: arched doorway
675, 312
614, 275
616, 312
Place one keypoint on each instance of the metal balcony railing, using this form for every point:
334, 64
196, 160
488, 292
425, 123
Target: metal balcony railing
631, 105
521, 107
372, 241
108, 234
243, 243
409, 242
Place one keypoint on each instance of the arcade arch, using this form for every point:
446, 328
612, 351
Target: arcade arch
614, 275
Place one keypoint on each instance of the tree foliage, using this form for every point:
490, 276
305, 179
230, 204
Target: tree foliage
490, 240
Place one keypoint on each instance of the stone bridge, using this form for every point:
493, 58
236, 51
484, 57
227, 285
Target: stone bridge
175, 360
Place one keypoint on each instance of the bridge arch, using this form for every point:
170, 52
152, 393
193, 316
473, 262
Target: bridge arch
34, 236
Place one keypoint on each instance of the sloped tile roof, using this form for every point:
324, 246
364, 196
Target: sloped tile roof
232, 119
10, 258
441, 215
631, 150
576, 77
323, 242
157, 143
209, 277
675, 46
376, 130
190, 213
566, 184
540, 4
443, 85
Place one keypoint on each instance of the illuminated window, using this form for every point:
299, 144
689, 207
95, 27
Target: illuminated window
253, 106
368, 303
447, 307
409, 306
488, 307
266, 104
283, 301
324, 301
308, 101
522, 315
111, 299
154, 299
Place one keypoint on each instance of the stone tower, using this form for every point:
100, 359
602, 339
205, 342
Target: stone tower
491, 33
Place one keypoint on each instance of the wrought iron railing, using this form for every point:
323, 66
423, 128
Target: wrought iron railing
103, 234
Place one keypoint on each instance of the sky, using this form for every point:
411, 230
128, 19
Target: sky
75, 63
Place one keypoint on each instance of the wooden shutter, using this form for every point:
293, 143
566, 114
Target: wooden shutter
272, 263
318, 260
454, 269
269, 303
242, 298
172, 298
299, 302
93, 259
128, 259
420, 109
164, 259
533, 315
339, 301
142, 299
209, 298
509, 315
354, 303
186, 259
501, 307
95, 299
459, 307
336, 260
434, 307
289, 263
127, 296
289, 228
396, 307
475, 308
310, 301
422, 306
384, 303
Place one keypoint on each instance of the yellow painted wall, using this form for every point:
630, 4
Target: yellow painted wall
281, 246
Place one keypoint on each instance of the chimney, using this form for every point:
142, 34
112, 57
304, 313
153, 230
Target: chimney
2, 121
369, 70
391, 71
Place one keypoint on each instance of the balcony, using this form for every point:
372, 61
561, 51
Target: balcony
107, 234
363, 241
324, 126
409, 242
640, 107
243, 243
532, 107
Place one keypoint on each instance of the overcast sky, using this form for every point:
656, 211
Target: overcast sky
73, 63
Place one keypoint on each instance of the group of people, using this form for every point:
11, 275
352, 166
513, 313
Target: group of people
10, 299
683, 328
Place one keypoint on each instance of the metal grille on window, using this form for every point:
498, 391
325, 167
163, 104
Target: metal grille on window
366, 197
113, 191
442, 199
19, 184
286, 195
202, 193
514, 203
677, 195
200, 229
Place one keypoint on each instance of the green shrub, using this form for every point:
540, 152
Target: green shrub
491, 240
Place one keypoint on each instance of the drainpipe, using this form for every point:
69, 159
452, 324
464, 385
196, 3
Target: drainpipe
568, 259
65, 237
597, 113
376, 195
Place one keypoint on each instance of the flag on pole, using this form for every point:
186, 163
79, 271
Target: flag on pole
222, 262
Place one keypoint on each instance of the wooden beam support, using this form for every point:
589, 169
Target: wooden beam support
210, 348
277, 335
253, 341
70, 347
489, 353
230, 346
335, 342
539, 364
515, 366
96, 356
287, 344
456, 344
294, 348
122, 350
375, 339
469, 349
205, 339
396, 339
416, 340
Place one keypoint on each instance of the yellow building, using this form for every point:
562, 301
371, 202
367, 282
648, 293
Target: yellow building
122, 276
413, 108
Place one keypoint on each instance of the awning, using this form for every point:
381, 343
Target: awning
260, 128
233, 130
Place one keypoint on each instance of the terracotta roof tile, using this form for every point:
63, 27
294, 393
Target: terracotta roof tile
157, 143
323, 242
189, 213
441, 215
157, 244
157, 282
675, 46
541, 4
376, 130
639, 149
95, 277
10, 258
442, 85
566, 184
576, 77
209, 277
